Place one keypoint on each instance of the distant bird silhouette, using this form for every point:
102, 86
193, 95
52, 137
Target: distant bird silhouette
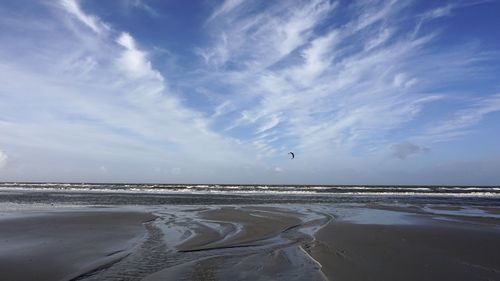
291, 153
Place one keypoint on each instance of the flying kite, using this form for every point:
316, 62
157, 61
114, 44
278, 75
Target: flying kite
291, 153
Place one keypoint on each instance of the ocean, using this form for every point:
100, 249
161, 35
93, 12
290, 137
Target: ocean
222, 194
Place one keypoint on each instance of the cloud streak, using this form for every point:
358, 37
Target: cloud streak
110, 110
462, 120
345, 85
329, 92
342, 89
72, 7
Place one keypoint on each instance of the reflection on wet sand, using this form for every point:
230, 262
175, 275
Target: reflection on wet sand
268, 242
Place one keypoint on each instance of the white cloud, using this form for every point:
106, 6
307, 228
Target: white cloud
3, 159
271, 123
217, 55
372, 13
135, 62
284, 78
100, 101
141, 4
462, 120
90, 21
443, 11
345, 88
295, 30
439, 12
379, 39
226, 7
258, 40
221, 108
402, 80
317, 57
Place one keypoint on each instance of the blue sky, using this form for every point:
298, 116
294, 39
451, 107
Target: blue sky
364, 92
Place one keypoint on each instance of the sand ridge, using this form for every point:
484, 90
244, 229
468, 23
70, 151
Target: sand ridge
254, 242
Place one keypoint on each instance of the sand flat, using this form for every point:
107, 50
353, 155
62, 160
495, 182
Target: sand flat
437, 251
273, 242
250, 225
63, 245
415, 246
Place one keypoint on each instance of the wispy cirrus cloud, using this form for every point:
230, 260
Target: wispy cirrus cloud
104, 103
461, 121
73, 7
343, 87
141, 4
330, 90
245, 37
443, 11
224, 8
346, 85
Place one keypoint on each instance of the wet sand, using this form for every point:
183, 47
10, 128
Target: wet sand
278, 242
239, 227
64, 245
424, 252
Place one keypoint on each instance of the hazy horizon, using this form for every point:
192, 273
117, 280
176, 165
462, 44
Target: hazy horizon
363, 92
33, 183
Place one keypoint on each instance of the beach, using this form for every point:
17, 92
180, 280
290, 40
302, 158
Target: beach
250, 242
235, 140
63, 245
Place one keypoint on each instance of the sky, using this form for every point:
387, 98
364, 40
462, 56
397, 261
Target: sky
363, 92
